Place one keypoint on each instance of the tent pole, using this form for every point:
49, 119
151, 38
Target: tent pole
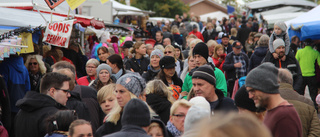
34, 6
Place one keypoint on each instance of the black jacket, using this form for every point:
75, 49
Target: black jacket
243, 34
290, 63
228, 65
34, 109
150, 74
108, 128
257, 56
133, 64
207, 37
225, 104
161, 105
89, 97
5, 117
130, 131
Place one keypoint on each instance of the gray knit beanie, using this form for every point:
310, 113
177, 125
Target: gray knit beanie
264, 78
263, 41
156, 52
281, 25
132, 82
102, 67
277, 43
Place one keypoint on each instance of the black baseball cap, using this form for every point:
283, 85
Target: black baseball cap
225, 35
127, 44
237, 44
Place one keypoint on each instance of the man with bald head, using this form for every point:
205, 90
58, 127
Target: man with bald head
166, 42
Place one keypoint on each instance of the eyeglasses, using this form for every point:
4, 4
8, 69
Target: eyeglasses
64, 90
34, 63
90, 67
167, 52
251, 91
179, 115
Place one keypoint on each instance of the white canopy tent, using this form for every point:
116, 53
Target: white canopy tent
24, 18
218, 14
121, 9
270, 3
312, 15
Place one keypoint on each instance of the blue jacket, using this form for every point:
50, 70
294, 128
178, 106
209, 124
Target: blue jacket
257, 56
17, 79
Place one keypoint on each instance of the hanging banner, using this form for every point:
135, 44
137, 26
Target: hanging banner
75, 3
53, 3
58, 34
26, 39
104, 1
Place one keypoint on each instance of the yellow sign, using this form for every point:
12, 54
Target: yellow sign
26, 40
74, 3
104, 1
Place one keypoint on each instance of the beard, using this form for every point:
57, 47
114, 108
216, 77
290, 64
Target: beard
263, 103
281, 54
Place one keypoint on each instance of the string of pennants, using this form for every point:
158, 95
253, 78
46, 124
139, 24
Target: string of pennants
17, 41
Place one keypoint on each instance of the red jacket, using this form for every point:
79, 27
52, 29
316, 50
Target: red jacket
198, 34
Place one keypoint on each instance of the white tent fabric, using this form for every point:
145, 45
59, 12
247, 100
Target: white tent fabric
41, 4
286, 9
24, 18
312, 15
218, 14
272, 18
269, 3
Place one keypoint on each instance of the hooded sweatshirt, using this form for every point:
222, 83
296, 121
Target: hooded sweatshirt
35, 108
17, 79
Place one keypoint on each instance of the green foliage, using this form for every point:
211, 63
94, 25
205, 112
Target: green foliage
162, 8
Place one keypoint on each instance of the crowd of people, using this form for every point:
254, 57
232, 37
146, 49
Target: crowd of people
219, 78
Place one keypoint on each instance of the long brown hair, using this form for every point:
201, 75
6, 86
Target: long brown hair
136, 46
215, 55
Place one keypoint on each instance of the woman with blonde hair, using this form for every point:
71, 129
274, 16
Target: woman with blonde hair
219, 56
211, 44
36, 69
128, 86
177, 36
159, 98
138, 63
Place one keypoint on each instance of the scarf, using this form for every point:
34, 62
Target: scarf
118, 75
173, 130
34, 79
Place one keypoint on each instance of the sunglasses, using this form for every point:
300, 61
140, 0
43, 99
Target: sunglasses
64, 90
167, 52
34, 63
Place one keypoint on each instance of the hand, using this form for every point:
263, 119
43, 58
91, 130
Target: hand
184, 93
237, 65
283, 58
220, 60
275, 55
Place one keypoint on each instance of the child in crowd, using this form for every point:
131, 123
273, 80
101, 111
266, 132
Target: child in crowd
280, 31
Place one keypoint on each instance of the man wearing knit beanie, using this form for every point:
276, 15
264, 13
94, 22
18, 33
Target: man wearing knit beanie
263, 88
286, 61
136, 115
200, 54
204, 84
235, 65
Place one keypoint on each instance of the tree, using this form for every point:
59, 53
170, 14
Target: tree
162, 8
